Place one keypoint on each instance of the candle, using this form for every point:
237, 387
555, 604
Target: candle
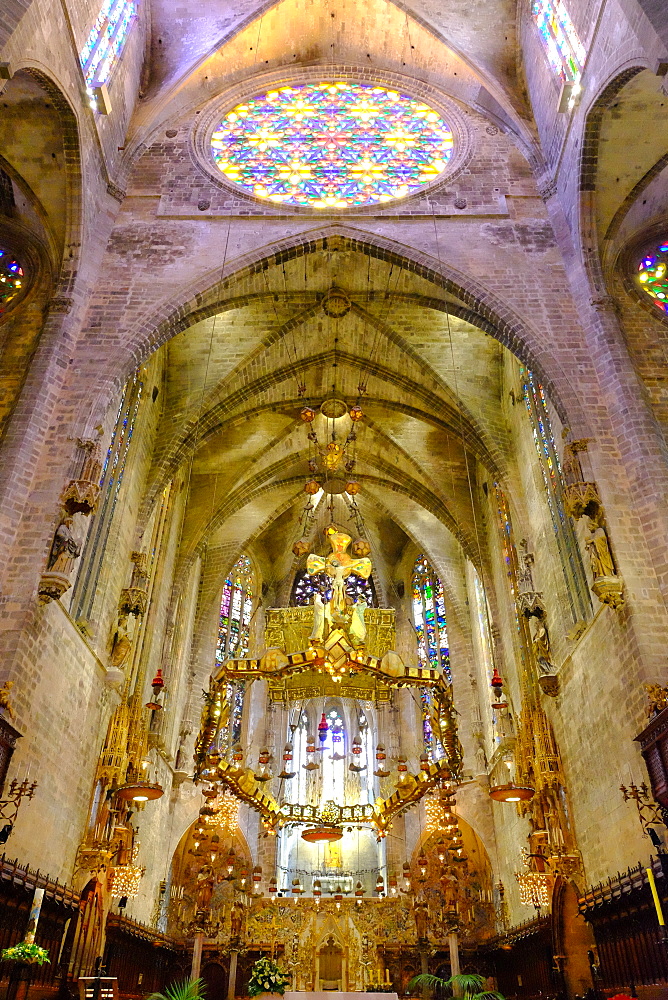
387, 976
655, 896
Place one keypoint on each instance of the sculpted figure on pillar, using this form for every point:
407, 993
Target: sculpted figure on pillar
64, 551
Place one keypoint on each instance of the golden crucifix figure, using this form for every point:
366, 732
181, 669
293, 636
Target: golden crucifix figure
338, 565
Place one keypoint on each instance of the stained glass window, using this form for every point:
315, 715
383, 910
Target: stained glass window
333, 759
429, 618
653, 277
236, 607
12, 283
112, 478
106, 40
332, 145
569, 550
564, 50
305, 586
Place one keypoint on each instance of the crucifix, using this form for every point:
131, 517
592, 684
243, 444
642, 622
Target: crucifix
338, 565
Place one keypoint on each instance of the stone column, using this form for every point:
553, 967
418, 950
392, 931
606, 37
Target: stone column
197, 955
453, 944
232, 982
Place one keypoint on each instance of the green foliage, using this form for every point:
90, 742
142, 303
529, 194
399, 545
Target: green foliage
189, 989
465, 984
29, 954
267, 977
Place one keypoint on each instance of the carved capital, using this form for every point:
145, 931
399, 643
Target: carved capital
582, 498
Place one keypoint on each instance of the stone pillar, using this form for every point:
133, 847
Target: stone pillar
232, 982
197, 955
453, 944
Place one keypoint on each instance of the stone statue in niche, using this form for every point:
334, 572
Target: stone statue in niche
64, 550
122, 644
607, 586
598, 551
541, 646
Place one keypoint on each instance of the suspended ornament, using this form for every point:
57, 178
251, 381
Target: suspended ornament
392, 882
158, 684
287, 759
317, 889
352, 488
307, 415
360, 548
329, 834
497, 687
296, 886
380, 771
355, 413
441, 851
402, 769
311, 487
355, 765
359, 889
257, 873
300, 548
422, 863
263, 759
424, 762
323, 729
310, 764
380, 885
273, 886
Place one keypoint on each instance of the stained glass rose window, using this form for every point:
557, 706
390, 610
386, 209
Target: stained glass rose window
332, 145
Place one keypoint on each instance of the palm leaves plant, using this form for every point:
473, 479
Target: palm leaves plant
468, 985
189, 989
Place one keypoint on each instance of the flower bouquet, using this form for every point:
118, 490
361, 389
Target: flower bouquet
267, 977
25, 952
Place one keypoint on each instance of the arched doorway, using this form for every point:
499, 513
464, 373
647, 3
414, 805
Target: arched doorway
330, 963
215, 981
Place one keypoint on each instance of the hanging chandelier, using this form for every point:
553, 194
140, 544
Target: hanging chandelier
123, 880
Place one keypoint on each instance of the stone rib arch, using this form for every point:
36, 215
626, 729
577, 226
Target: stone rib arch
158, 324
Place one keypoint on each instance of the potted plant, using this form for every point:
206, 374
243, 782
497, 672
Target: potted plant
468, 985
25, 954
267, 979
188, 989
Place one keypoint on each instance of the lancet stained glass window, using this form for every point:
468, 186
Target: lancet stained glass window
332, 145
106, 40
236, 607
11, 280
569, 551
564, 50
429, 618
653, 275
